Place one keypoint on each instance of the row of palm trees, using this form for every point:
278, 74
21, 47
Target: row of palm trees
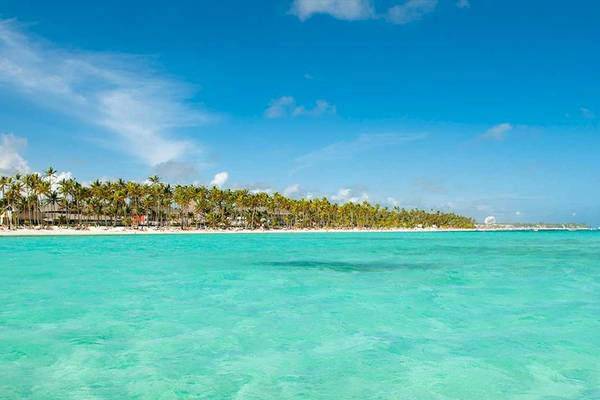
42, 200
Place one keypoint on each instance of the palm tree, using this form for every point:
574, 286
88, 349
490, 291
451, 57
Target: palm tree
42, 189
165, 205
52, 200
50, 173
14, 198
201, 205
183, 196
155, 191
4, 183
65, 189
29, 183
123, 201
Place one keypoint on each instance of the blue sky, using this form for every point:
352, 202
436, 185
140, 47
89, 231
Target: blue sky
480, 107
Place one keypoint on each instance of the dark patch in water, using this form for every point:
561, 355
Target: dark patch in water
89, 339
354, 266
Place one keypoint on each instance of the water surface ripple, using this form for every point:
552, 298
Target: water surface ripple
301, 316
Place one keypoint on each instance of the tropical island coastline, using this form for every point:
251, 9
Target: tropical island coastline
119, 230
39, 204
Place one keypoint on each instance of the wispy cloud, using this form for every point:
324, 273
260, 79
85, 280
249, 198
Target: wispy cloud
347, 195
11, 159
349, 10
348, 149
255, 189
354, 10
392, 202
280, 107
220, 179
497, 132
291, 190
322, 107
296, 191
463, 4
587, 113
286, 106
411, 10
118, 93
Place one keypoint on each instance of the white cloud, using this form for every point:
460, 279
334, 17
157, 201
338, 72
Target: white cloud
117, 93
411, 10
280, 107
342, 194
354, 10
346, 150
347, 195
349, 10
286, 106
220, 179
291, 190
266, 190
463, 4
497, 132
587, 113
393, 202
321, 107
518, 213
11, 160
57, 178
64, 175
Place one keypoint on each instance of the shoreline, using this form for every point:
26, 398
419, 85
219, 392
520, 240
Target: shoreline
109, 231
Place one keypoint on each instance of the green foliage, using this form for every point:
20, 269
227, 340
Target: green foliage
42, 201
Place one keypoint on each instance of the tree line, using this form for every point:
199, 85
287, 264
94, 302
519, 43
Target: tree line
42, 200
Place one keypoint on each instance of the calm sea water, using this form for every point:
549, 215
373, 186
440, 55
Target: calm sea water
301, 316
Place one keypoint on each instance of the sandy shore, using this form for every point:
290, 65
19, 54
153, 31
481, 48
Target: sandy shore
55, 231
91, 231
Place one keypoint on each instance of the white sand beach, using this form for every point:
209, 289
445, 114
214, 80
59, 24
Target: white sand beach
98, 231
92, 231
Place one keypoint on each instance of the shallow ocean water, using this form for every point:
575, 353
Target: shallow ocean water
512, 315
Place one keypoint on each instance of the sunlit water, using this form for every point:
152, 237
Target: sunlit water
301, 316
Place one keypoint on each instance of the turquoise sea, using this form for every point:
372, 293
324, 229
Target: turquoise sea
512, 315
